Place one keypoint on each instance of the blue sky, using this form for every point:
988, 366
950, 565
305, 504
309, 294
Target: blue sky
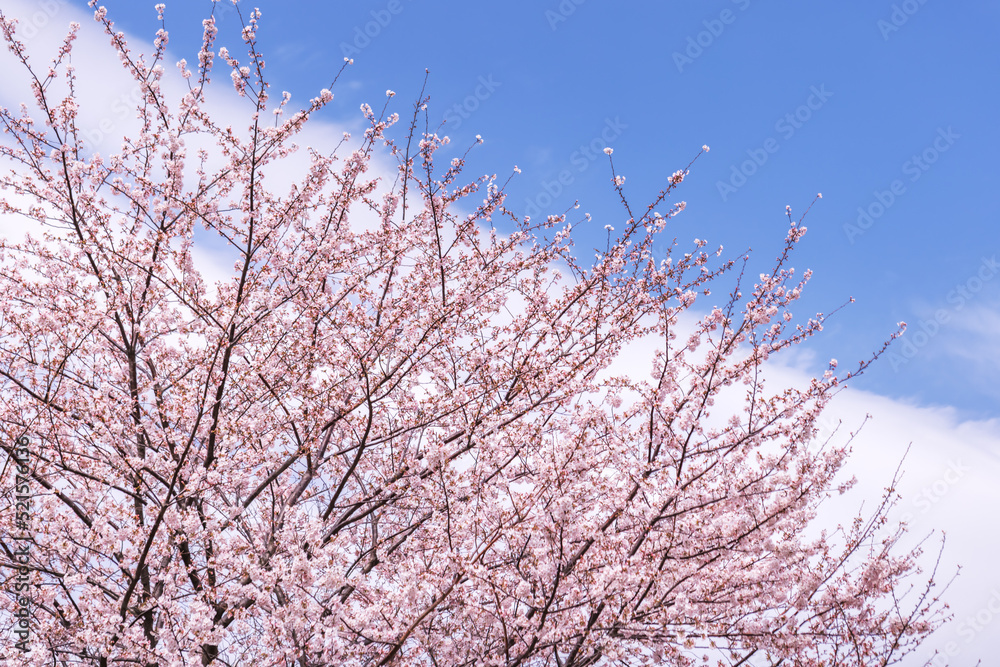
887, 107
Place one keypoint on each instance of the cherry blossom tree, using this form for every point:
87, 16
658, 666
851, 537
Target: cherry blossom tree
397, 432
